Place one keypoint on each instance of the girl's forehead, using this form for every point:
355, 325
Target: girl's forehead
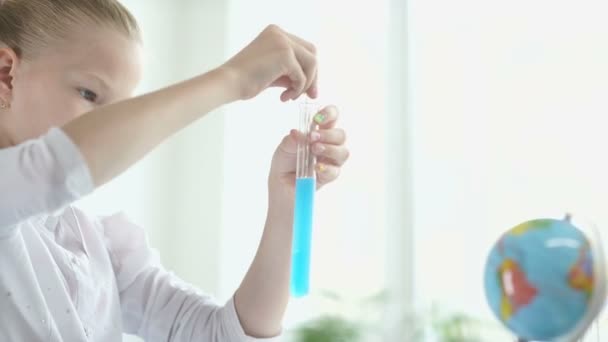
106, 53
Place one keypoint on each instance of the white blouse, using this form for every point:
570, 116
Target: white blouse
66, 276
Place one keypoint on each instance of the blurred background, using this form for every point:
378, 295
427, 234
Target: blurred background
464, 118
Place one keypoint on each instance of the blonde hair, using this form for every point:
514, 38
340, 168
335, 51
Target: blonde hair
28, 24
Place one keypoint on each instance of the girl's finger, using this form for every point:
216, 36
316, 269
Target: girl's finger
297, 77
308, 63
334, 136
327, 117
289, 144
326, 173
313, 91
338, 154
304, 43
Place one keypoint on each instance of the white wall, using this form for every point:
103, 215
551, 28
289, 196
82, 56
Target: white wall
509, 107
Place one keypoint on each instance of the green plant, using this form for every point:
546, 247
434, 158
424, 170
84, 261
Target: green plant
456, 327
329, 329
433, 325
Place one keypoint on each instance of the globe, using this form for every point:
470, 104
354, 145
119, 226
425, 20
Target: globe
541, 280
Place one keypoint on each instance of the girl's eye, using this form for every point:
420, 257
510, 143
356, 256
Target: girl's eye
88, 95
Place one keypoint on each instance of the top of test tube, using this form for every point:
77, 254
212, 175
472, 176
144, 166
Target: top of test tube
305, 158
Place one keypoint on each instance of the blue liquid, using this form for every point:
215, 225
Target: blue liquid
302, 236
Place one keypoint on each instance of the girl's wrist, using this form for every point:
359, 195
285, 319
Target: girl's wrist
280, 213
231, 82
280, 200
228, 81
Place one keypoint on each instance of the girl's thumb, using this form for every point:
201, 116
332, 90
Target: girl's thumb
290, 142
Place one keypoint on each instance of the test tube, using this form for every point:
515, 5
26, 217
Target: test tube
304, 203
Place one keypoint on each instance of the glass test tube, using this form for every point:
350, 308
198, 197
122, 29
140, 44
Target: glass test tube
304, 203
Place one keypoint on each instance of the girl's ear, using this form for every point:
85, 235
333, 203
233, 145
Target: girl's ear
8, 64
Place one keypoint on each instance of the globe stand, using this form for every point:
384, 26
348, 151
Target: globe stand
598, 297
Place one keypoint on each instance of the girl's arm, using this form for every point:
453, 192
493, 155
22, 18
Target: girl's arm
112, 138
43, 175
263, 295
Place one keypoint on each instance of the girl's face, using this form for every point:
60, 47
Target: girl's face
93, 68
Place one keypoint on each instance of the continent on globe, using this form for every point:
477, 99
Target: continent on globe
580, 276
515, 288
531, 225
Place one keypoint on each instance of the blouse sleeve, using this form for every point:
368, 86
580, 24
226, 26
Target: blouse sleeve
40, 176
158, 306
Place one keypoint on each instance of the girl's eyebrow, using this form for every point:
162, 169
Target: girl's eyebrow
101, 82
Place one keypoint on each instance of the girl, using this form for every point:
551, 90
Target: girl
67, 276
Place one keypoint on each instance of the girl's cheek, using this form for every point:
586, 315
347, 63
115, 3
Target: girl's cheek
74, 104
66, 107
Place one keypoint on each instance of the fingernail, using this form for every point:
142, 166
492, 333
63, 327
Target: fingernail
321, 167
315, 136
319, 118
319, 148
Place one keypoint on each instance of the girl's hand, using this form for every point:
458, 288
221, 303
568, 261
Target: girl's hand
328, 147
274, 59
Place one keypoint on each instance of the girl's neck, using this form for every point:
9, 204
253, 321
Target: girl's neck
5, 140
